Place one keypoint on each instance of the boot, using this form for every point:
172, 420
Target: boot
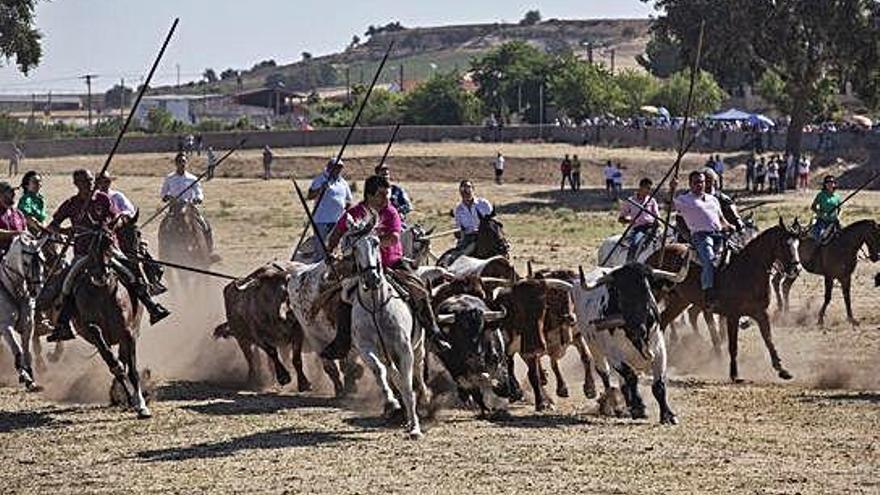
425, 316
341, 344
62, 329
157, 311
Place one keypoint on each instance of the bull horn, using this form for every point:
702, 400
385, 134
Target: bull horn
490, 316
244, 284
446, 319
499, 291
436, 290
429, 231
495, 280
529, 272
555, 283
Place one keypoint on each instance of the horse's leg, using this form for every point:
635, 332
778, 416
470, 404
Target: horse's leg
587, 362
776, 282
352, 371
561, 386
281, 373
7, 328
712, 324
57, 351
423, 395
846, 286
693, 314
732, 346
829, 286
128, 355
39, 361
631, 391
764, 324
94, 335
27, 332
331, 369
787, 283
404, 361
674, 306
516, 393
392, 406
302, 382
658, 388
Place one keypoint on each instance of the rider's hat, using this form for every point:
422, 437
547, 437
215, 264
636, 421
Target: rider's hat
180, 156
6, 187
829, 179
105, 176
710, 174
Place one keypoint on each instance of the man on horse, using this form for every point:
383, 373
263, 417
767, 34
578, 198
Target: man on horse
704, 219
643, 220
12, 220
32, 203
183, 186
467, 217
376, 201
399, 198
333, 196
134, 247
826, 206
87, 213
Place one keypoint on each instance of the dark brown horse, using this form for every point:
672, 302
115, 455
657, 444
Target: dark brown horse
835, 260
743, 286
182, 239
107, 314
490, 242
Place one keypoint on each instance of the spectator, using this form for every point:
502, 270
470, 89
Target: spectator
499, 168
773, 175
783, 173
576, 173
15, 157
750, 172
609, 171
618, 181
565, 169
718, 167
267, 162
804, 173
212, 162
760, 175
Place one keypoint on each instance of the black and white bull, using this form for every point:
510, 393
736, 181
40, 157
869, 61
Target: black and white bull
618, 310
477, 360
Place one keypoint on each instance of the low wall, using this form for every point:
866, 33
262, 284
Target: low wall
710, 140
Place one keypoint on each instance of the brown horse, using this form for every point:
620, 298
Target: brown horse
490, 241
107, 314
182, 239
743, 286
834, 261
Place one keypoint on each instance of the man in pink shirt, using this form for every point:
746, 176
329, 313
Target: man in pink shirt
12, 221
377, 200
643, 220
702, 215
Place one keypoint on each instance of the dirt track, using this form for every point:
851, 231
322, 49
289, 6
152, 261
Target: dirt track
816, 434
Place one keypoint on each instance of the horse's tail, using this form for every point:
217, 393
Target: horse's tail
223, 331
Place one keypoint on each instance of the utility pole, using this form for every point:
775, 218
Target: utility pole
49, 107
122, 98
33, 106
590, 52
612, 61
88, 78
401, 76
348, 84
178, 75
541, 110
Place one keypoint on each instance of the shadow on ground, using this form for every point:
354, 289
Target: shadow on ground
592, 199
26, 420
871, 397
265, 440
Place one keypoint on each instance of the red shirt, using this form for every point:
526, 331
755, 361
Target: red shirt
101, 212
388, 223
14, 220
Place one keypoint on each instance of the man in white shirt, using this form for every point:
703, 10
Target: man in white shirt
467, 216
183, 186
122, 204
333, 196
212, 162
610, 171
499, 168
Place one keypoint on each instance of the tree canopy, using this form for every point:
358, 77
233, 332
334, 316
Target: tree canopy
19, 39
442, 101
510, 75
531, 18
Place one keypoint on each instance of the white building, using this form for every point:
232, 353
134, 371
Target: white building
181, 107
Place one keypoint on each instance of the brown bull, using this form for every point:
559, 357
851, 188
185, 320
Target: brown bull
256, 316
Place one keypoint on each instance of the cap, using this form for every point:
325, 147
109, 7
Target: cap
710, 174
333, 162
380, 167
105, 176
829, 178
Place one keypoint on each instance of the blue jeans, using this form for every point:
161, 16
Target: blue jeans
820, 227
637, 234
708, 246
324, 230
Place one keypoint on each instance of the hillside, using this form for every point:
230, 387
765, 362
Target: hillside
423, 50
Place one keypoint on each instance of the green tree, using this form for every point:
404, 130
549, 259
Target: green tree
209, 76
440, 101
18, 37
673, 94
800, 40
159, 121
581, 89
662, 57
510, 75
228, 74
637, 89
531, 18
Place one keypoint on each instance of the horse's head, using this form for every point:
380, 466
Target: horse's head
873, 241
786, 247
24, 262
418, 243
363, 244
750, 228
490, 237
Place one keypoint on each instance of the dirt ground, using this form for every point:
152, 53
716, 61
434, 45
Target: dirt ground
815, 434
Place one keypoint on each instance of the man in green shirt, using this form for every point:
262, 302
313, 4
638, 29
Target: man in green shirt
826, 206
31, 202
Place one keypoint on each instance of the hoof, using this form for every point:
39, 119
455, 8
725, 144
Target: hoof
562, 392
33, 387
590, 391
785, 375
638, 414
304, 386
669, 419
545, 406
498, 415
737, 380
416, 435
283, 378
144, 413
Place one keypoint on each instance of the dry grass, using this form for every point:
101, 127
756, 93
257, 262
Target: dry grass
816, 434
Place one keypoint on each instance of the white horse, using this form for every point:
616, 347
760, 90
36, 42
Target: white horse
613, 251
21, 279
384, 328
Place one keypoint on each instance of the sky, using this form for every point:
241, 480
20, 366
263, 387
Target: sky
120, 38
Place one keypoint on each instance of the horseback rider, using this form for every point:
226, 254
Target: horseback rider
467, 217
399, 198
177, 187
642, 220
32, 203
12, 221
127, 214
86, 213
826, 206
377, 190
333, 195
702, 214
